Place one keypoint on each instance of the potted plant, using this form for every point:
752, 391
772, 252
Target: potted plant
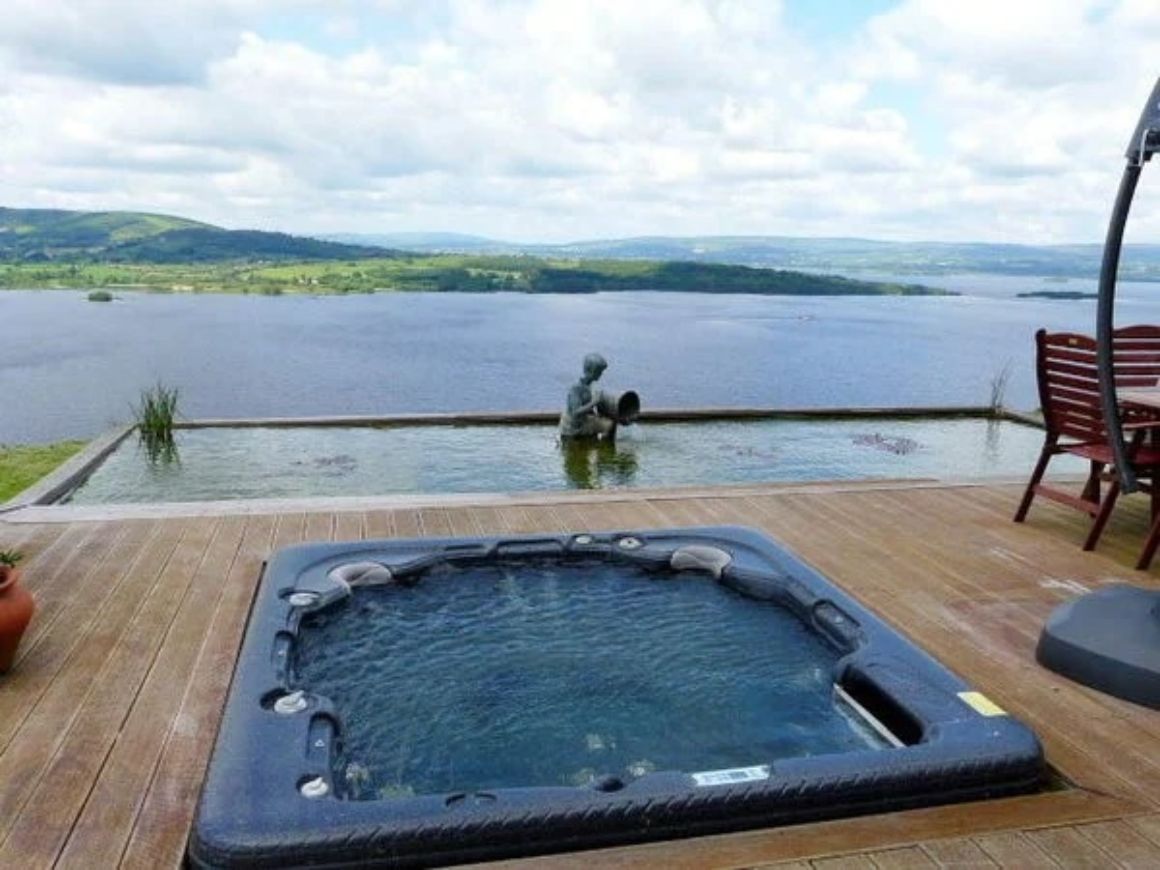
16, 606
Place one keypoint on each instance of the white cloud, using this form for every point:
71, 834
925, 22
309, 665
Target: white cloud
557, 119
127, 41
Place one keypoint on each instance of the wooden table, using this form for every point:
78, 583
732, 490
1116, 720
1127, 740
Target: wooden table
1146, 400
1141, 397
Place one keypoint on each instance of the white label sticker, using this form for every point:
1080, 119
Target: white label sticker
732, 776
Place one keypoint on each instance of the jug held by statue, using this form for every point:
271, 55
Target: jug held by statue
624, 407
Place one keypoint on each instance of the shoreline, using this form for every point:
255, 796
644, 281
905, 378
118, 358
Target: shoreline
443, 273
156, 290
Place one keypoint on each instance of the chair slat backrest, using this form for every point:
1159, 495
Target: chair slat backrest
1069, 389
1136, 351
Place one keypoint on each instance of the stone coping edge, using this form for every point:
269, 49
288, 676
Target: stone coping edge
345, 504
655, 415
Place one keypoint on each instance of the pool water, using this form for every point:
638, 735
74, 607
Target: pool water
241, 463
559, 674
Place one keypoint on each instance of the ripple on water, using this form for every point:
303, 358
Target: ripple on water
551, 674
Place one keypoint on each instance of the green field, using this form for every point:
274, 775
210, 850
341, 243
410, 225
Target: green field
438, 273
22, 466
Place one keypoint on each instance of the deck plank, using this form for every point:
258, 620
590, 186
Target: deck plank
463, 524
546, 519
518, 520
436, 522
290, 530
406, 524
53, 578
348, 526
1069, 848
35, 835
1129, 847
43, 563
906, 858
844, 862
960, 852
44, 653
1148, 825
320, 527
568, 518
21, 537
166, 813
103, 823
1013, 849
35, 737
380, 524
54, 594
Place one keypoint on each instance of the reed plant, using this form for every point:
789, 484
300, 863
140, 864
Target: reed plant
155, 415
999, 388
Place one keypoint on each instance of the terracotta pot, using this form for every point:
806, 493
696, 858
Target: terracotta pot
16, 606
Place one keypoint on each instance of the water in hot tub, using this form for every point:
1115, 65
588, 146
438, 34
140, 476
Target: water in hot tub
559, 674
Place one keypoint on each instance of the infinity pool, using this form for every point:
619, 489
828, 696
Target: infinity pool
243, 463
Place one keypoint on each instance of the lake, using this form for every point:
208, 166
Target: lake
71, 368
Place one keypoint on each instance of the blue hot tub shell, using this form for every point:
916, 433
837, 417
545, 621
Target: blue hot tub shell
270, 797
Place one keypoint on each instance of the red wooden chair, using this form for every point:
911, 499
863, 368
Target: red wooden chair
1073, 417
1136, 355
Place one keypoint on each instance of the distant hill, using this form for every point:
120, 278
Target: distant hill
58, 236
44, 233
213, 245
48, 235
458, 243
844, 255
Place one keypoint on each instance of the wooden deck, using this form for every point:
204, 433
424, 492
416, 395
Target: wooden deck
108, 718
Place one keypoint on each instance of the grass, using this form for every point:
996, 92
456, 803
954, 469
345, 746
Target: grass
23, 465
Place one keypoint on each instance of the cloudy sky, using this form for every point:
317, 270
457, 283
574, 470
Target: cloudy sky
536, 120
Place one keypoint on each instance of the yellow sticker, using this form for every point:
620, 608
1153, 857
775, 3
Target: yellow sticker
982, 704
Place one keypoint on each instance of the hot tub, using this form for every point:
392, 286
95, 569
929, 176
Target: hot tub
408, 703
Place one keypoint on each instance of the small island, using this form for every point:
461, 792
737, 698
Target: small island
1058, 294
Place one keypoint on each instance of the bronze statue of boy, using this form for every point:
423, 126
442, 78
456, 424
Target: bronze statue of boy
582, 418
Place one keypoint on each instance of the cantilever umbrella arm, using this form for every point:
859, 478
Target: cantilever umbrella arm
1145, 142
1108, 639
